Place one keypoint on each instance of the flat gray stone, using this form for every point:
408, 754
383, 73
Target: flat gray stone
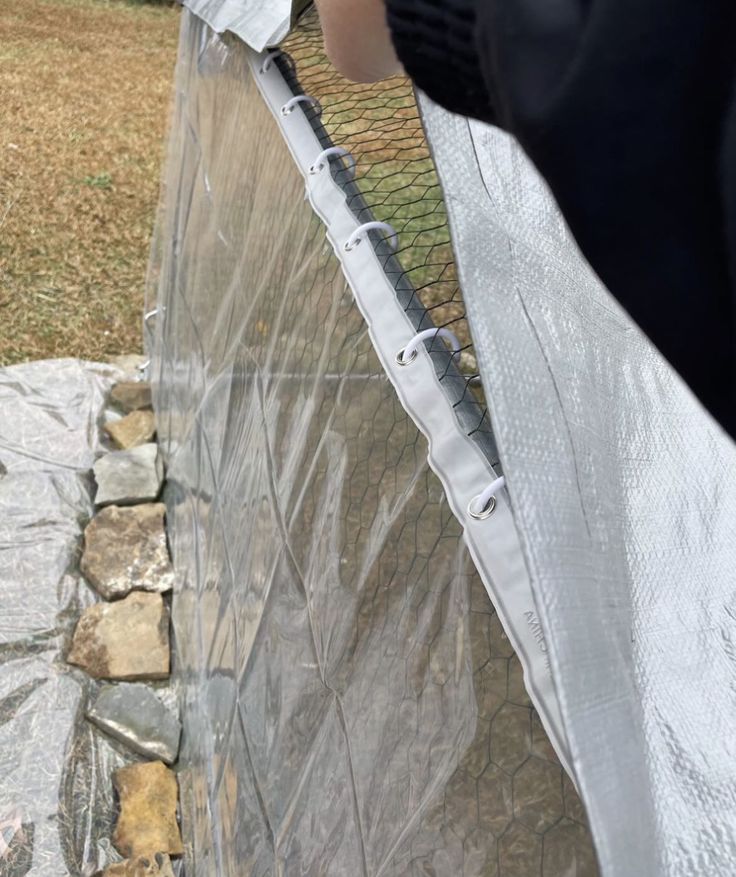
134, 715
125, 550
129, 477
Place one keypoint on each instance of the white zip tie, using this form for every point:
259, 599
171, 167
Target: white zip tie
288, 107
268, 60
319, 162
357, 236
149, 316
409, 353
483, 505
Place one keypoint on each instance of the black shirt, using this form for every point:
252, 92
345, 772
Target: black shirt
628, 109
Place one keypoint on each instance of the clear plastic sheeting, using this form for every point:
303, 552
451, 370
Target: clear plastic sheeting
351, 703
56, 800
624, 492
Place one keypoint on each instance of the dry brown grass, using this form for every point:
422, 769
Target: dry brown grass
85, 87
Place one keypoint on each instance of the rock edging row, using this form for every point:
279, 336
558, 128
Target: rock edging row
124, 639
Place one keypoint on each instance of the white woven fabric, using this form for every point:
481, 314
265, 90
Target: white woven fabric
259, 23
624, 495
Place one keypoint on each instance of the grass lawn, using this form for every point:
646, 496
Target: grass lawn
85, 90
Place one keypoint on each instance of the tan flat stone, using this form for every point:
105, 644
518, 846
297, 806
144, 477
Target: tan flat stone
131, 395
158, 865
147, 823
125, 550
128, 639
134, 429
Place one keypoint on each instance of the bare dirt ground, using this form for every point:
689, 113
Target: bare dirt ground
85, 88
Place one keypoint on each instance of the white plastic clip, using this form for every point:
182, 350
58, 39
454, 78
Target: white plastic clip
290, 104
268, 60
147, 317
320, 162
409, 353
357, 236
483, 505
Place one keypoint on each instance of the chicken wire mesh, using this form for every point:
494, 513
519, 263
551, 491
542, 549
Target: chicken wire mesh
396, 183
352, 704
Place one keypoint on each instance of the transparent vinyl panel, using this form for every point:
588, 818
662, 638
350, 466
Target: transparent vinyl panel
352, 704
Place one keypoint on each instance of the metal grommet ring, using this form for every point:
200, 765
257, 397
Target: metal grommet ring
483, 505
485, 512
400, 356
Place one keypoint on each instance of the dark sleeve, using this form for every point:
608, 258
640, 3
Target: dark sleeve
627, 109
435, 41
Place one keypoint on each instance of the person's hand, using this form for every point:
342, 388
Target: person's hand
357, 39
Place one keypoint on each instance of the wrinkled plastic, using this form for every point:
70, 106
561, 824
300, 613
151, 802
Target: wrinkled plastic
259, 23
624, 491
352, 704
56, 799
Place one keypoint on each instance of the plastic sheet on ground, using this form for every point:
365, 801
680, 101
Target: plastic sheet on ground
56, 806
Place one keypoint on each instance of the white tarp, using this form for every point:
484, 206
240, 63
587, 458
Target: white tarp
624, 495
259, 23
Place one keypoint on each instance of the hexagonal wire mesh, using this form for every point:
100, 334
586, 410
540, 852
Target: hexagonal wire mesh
396, 183
352, 704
